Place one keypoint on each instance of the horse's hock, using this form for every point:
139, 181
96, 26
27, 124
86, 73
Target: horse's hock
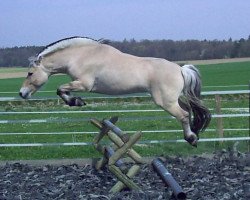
122, 144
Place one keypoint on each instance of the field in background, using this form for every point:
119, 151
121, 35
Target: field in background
12, 72
20, 72
215, 77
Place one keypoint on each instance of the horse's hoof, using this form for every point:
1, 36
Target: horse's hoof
194, 145
76, 101
192, 139
80, 102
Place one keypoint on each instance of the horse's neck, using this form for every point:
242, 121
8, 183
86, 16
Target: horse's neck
65, 60
56, 65
58, 70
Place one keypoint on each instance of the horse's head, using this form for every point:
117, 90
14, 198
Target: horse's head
36, 77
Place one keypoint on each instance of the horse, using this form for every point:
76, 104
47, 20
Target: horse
96, 66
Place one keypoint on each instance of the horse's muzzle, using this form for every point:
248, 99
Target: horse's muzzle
24, 96
24, 93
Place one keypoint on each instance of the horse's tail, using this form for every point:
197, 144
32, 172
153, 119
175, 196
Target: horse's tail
193, 104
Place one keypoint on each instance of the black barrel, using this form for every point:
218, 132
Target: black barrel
168, 179
124, 136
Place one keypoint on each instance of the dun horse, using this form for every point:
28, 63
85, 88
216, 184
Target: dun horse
98, 67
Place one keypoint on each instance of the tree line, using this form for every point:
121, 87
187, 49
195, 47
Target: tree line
168, 49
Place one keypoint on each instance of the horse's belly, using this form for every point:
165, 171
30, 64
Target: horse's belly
115, 86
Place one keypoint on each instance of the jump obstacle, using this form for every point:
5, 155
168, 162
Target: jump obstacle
168, 179
122, 145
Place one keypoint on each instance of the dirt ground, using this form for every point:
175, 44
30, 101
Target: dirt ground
224, 175
13, 75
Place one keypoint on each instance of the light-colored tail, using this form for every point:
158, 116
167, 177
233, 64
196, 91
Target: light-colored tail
192, 92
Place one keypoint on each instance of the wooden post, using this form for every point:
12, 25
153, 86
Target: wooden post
120, 185
123, 178
116, 130
109, 151
102, 133
219, 120
131, 152
121, 151
103, 161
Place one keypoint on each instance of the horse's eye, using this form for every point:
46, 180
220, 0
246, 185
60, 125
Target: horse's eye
30, 74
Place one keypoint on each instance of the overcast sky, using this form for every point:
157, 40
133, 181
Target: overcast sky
39, 22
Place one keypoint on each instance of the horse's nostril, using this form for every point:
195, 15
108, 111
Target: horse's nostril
20, 94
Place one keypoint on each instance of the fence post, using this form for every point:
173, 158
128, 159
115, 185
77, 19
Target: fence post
219, 120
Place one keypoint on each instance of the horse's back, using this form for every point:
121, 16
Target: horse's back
114, 72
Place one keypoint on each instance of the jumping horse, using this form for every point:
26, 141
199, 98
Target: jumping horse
95, 66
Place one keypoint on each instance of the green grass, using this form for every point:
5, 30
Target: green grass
127, 121
12, 69
14, 84
225, 74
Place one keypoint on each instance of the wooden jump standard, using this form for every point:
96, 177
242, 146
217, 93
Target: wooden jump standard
123, 146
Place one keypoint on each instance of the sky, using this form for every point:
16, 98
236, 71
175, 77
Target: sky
40, 22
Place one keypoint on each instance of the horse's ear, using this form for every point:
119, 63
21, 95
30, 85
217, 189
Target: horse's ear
34, 61
104, 41
38, 60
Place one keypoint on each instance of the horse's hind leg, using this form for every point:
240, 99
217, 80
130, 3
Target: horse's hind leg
174, 109
64, 92
183, 117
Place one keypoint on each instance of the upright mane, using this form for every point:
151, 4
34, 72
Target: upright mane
65, 43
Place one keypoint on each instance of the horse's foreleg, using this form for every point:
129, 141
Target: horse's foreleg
64, 92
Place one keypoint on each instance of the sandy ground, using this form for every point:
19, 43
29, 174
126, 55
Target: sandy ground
12, 75
194, 62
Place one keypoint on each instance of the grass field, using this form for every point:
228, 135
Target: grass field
12, 69
213, 75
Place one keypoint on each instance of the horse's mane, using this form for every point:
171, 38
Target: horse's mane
65, 43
